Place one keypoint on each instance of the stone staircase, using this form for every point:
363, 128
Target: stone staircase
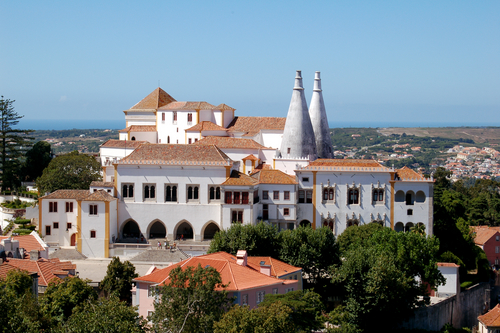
156, 256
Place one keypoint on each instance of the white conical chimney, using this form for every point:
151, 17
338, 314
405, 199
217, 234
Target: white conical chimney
319, 121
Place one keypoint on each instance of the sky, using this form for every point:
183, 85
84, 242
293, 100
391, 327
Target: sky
422, 63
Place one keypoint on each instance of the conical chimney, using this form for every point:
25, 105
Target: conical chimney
319, 121
298, 136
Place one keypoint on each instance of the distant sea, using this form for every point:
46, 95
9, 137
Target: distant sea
44, 124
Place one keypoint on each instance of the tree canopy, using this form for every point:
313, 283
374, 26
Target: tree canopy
37, 159
70, 171
13, 144
118, 279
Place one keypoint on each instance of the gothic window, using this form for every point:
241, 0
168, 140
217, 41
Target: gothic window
171, 193
378, 196
149, 191
329, 194
214, 193
353, 196
352, 222
128, 191
193, 192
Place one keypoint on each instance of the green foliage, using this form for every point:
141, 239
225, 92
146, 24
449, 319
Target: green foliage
70, 171
17, 283
13, 144
274, 318
306, 308
23, 221
104, 315
259, 240
16, 204
118, 279
37, 159
356, 236
22, 232
61, 298
190, 301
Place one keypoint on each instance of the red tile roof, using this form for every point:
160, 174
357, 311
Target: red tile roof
177, 154
270, 176
253, 125
139, 128
206, 126
238, 178
346, 165
224, 107
6, 268
154, 100
406, 173
250, 157
27, 242
229, 142
491, 318
447, 264
483, 234
187, 106
278, 268
100, 195
102, 184
122, 144
47, 269
238, 277
68, 194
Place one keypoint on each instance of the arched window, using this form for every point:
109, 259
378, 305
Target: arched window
168, 193
168, 139
217, 193
353, 196
190, 193
330, 194
133, 138
212, 193
174, 193
325, 194
152, 193
409, 198
378, 196
196, 193
146, 192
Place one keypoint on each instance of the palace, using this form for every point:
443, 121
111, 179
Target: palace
189, 169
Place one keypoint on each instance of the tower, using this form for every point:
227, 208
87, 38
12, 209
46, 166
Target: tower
319, 121
298, 136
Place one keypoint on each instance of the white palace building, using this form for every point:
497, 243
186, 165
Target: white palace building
189, 169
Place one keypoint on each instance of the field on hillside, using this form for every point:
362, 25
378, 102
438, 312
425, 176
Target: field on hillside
489, 135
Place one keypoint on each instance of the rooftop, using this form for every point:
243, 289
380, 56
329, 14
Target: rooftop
139, 128
238, 178
491, 318
269, 176
122, 144
154, 100
253, 125
47, 269
206, 126
229, 142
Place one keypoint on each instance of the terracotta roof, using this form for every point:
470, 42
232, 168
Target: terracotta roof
345, 165
250, 157
229, 142
68, 194
278, 267
100, 195
46, 268
253, 125
224, 107
406, 173
447, 264
187, 106
238, 178
206, 126
263, 166
154, 100
27, 242
491, 318
122, 144
139, 128
273, 177
483, 234
102, 184
177, 154
6, 268
238, 277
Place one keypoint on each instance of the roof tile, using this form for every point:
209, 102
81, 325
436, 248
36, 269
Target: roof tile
154, 100
229, 142
253, 125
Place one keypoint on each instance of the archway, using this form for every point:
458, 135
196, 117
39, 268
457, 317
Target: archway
400, 196
399, 227
157, 230
408, 226
210, 230
305, 223
410, 198
131, 230
420, 197
73, 240
184, 231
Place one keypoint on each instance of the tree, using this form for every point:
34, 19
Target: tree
356, 236
62, 297
13, 143
274, 318
104, 315
70, 171
306, 308
118, 279
191, 301
37, 159
17, 282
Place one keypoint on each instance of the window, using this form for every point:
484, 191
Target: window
275, 291
353, 196
92, 233
47, 230
237, 216
168, 139
309, 195
171, 193
55, 225
378, 196
92, 209
190, 117
128, 191
244, 299
276, 195
328, 194
498, 238
255, 196
409, 198
174, 117
53, 207
288, 290
163, 116
149, 191
409, 212
236, 198
69, 207
265, 195
497, 249
305, 196
496, 262
189, 141
288, 151
244, 198
214, 193
260, 296
152, 291
193, 192
305, 179
228, 197
68, 225
286, 195
286, 211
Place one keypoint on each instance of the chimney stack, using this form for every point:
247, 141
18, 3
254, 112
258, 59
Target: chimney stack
319, 121
241, 257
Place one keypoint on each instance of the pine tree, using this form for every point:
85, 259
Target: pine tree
13, 144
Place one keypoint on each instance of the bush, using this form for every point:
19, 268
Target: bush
466, 284
22, 231
9, 227
23, 221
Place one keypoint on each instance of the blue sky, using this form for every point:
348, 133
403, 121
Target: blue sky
380, 61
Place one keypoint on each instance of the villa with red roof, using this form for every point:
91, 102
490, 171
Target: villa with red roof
248, 278
488, 239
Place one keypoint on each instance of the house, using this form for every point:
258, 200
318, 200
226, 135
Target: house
488, 239
248, 278
22, 246
490, 321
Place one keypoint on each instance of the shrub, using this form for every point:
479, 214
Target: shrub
23, 221
22, 231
